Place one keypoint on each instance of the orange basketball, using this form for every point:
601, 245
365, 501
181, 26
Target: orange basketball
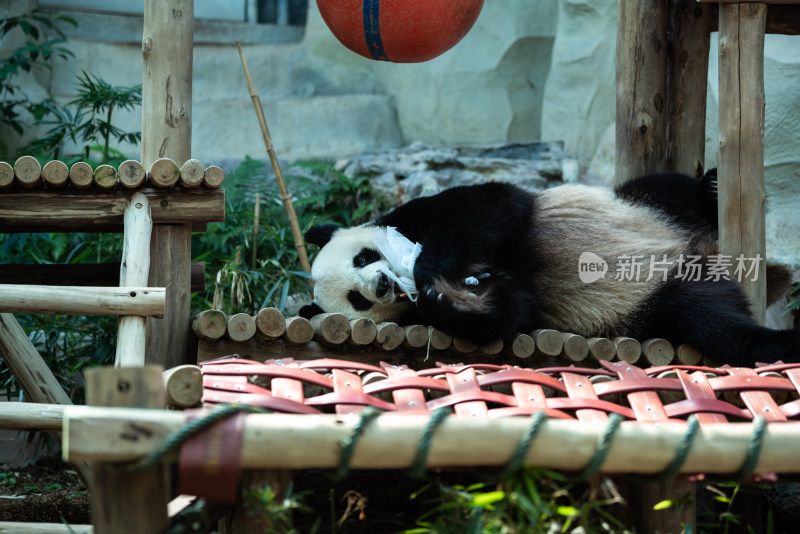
401, 31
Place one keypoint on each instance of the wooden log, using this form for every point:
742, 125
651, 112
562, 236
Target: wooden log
362, 331
192, 173
183, 386
164, 173
80, 274
641, 65
14, 527
127, 502
658, 351
548, 341
213, 177
131, 174
134, 270
391, 441
492, 348
6, 175
168, 33
628, 349
464, 346
440, 340
70, 300
209, 325
330, 328
28, 172
522, 346
55, 173
688, 355
687, 56
389, 336
270, 323
81, 175
416, 336
240, 327
66, 211
298, 330
170, 264
576, 348
601, 348
740, 164
105, 177
31, 416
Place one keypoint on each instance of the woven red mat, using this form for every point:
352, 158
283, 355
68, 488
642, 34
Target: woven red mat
715, 395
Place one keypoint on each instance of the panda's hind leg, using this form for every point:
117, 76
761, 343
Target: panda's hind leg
688, 201
714, 318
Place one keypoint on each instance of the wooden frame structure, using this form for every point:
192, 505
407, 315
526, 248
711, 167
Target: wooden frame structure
660, 112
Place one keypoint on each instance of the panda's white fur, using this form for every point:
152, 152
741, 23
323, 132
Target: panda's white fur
335, 275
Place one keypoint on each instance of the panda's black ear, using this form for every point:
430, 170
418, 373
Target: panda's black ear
320, 234
310, 310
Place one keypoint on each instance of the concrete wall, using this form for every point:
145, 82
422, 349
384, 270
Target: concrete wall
322, 100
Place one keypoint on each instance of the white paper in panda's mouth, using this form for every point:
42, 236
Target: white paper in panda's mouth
402, 255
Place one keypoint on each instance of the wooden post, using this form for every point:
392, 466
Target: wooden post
641, 88
741, 143
166, 133
134, 270
689, 31
122, 501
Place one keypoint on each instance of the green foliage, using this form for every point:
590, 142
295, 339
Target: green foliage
723, 518
273, 512
86, 119
530, 501
254, 266
37, 51
8, 478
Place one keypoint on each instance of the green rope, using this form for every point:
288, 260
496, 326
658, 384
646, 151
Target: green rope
684, 446
420, 464
603, 446
753, 450
348, 444
178, 437
518, 459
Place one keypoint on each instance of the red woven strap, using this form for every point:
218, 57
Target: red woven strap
208, 464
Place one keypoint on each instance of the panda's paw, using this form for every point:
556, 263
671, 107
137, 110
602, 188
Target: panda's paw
709, 187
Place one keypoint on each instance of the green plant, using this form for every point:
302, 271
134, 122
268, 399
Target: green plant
37, 51
86, 119
7, 478
275, 512
724, 519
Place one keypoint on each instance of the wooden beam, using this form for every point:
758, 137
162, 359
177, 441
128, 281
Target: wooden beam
69, 300
392, 439
166, 133
687, 78
740, 163
781, 19
14, 527
641, 66
64, 211
80, 274
31, 416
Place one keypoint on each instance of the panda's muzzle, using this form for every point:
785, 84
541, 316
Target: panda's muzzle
384, 286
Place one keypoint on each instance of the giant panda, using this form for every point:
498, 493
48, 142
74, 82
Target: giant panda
497, 260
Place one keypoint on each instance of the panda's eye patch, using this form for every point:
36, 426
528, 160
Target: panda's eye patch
365, 257
359, 301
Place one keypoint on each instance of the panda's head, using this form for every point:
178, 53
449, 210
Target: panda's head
348, 278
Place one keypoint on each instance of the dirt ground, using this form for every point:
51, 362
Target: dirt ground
43, 491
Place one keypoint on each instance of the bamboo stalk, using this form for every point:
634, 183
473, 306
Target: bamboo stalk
28, 172
256, 222
55, 173
31, 416
74, 300
297, 235
392, 440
